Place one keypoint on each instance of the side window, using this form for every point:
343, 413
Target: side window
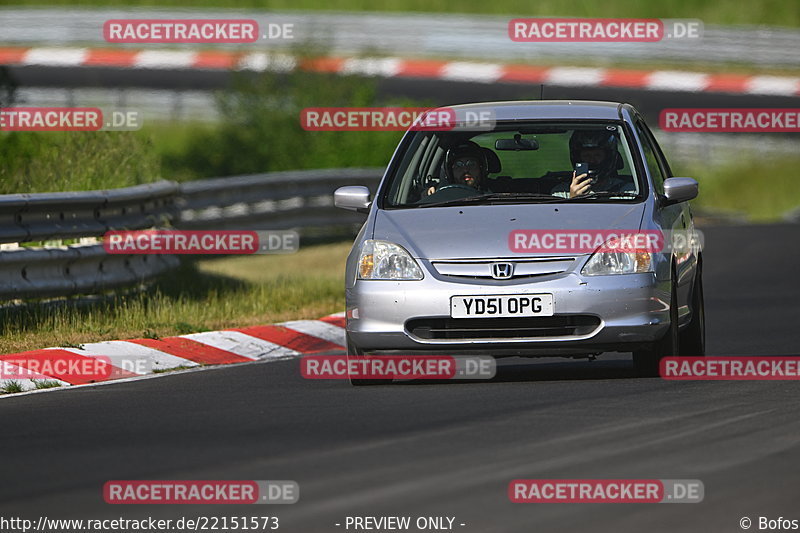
651, 159
659, 153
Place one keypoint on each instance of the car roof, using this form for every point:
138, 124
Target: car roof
546, 109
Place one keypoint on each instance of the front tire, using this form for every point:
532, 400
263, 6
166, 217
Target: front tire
693, 337
354, 351
647, 361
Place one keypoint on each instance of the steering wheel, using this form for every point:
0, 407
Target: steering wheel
456, 186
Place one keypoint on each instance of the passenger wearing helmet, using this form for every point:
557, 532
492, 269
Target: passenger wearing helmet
598, 148
465, 165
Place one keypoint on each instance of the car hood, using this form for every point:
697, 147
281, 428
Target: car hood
482, 231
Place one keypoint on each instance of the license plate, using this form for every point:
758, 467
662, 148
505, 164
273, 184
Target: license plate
501, 306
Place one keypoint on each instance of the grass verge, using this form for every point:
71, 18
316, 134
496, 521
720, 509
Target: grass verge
762, 190
45, 384
75, 161
11, 387
207, 295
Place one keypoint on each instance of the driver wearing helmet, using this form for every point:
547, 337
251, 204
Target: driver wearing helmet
598, 148
465, 165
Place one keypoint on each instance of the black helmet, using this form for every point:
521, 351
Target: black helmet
465, 149
605, 140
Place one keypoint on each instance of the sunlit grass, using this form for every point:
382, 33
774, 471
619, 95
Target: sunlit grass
763, 190
211, 295
11, 387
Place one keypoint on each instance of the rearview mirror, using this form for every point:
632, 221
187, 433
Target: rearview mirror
517, 143
354, 197
677, 190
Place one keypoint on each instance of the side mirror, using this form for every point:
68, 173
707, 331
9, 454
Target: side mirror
354, 197
677, 190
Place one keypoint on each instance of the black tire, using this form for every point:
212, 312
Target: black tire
354, 351
646, 361
693, 336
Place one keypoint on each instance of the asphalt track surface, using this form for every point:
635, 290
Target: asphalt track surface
433, 92
446, 449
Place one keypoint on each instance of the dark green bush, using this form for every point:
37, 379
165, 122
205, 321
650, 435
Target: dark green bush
261, 129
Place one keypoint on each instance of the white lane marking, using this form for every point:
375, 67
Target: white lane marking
241, 344
388, 67
773, 85
465, 71
9, 375
139, 378
259, 62
132, 357
56, 57
315, 328
575, 76
385, 67
121, 353
164, 59
28, 385
674, 80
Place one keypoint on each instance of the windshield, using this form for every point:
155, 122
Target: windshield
515, 163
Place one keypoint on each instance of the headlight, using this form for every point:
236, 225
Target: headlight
384, 260
605, 261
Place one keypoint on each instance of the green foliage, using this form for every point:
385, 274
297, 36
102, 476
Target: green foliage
761, 189
11, 387
68, 161
261, 129
45, 384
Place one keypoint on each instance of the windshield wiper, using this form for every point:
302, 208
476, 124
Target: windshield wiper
606, 194
524, 196
497, 196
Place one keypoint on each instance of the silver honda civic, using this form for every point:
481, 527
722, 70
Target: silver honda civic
549, 229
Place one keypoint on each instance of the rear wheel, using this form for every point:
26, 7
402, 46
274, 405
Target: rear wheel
646, 361
693, 337
354, 352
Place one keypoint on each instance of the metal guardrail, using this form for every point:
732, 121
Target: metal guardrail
67, 271
68, 215
414, 34
281, 200
82, 268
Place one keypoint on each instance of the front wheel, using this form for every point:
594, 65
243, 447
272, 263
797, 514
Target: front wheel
354, 352
647, 361
693, 337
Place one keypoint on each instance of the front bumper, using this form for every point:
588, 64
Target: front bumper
630, 311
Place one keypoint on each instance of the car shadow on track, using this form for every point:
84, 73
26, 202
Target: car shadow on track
548, 369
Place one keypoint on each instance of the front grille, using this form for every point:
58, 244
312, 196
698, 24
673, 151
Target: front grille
522, 268
502, 328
